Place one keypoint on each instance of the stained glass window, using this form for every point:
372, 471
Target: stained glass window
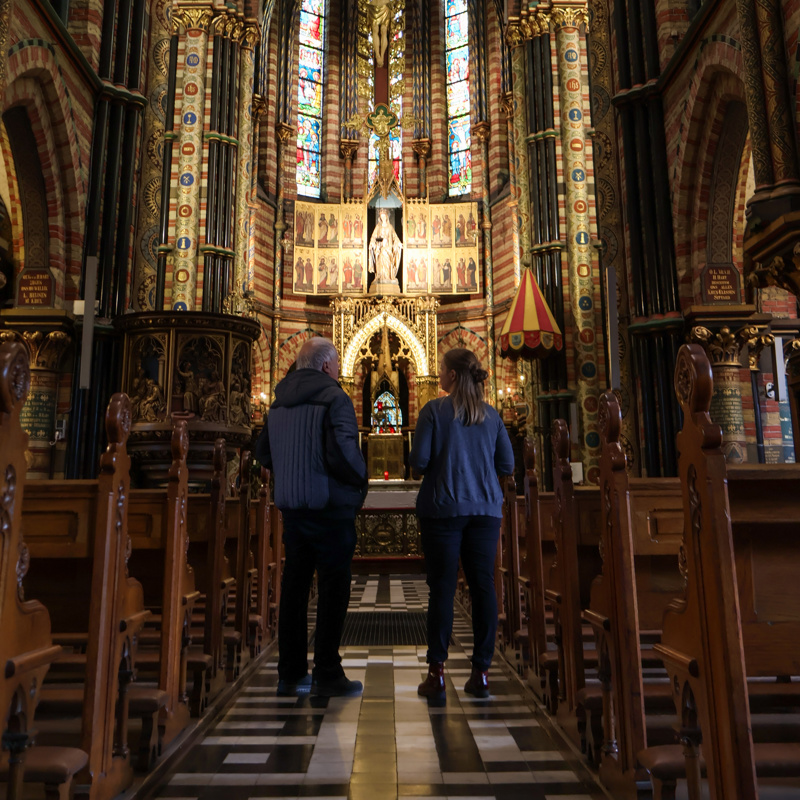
386, 414
457, 61
311, 73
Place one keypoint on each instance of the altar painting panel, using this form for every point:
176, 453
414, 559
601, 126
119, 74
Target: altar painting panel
352, 269
327, 272
304, 225
303, 270
441, 268
328, 226
417, 226
415, 271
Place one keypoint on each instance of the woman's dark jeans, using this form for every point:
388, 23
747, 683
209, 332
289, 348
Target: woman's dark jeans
474, 539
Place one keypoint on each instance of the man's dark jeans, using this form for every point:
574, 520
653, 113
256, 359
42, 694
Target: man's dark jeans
311, 542
474, 539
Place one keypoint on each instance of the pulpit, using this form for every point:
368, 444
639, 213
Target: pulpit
385, 455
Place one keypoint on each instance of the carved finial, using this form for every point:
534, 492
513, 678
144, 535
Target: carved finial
560, 440
118, 419
610, 421
220, 456
180, 440
15, 376
245, 464
694, 383
529, 453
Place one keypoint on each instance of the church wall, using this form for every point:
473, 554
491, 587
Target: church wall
59, 97
85, 24
498, 143
697, 91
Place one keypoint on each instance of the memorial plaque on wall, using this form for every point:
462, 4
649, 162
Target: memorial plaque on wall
720, 283
35, 288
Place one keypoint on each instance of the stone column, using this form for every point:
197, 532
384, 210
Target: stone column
47, 342
197, 22
756, 103
723, 349
755, 339
482, 133
610, 222
513, 202
283, 135
243, 269
348, 149
779, 101
579, 252
520, 137
422, 147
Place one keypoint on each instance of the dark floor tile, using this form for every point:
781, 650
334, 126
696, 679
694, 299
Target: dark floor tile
321, 790
533, 738
205, 758
301, 726
455, 744
289, 758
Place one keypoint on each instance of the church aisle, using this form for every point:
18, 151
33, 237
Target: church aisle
388, 743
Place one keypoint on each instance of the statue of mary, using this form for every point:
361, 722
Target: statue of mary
385, 251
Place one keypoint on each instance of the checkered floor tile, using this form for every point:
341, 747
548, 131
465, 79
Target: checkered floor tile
387, 743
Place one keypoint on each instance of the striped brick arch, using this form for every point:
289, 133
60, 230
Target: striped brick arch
289, 350
465, 337
36, 83
261, 362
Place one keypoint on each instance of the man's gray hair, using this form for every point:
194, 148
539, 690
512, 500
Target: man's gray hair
315, 352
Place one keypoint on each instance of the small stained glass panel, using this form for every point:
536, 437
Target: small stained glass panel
312, 29
460, 134
458, 64
310, 64
457, 30
460, 173
314, 6
308, 132
308, 172
454, 7
458, 98
309, 98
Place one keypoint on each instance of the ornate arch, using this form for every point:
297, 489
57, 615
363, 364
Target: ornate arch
290, 348
465, 337
372, 326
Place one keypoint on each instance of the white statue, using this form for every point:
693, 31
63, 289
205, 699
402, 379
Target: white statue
380, 17
385, 251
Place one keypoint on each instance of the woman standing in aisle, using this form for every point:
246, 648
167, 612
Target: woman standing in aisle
460, 447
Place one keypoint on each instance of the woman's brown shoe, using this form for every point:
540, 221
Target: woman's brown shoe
478, 683
433, 686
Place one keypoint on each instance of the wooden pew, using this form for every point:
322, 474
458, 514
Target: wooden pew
576, 530
739, 614
207, 536
159, 537
543, 674
515, 584
25, 640
241, 522
75, 530
265, 564
640, 576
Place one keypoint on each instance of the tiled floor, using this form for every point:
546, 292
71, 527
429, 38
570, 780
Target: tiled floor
388, 743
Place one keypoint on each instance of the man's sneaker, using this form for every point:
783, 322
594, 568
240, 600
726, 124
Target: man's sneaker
293, 688
340, 687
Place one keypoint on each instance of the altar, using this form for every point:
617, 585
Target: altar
385, 456
387, 529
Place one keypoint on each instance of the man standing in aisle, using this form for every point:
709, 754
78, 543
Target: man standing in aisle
310, 443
